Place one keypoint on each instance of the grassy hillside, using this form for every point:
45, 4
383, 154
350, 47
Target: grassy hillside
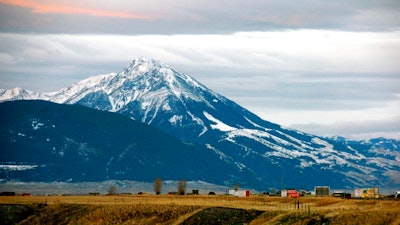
164, 209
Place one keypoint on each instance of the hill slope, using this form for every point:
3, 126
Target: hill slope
44, 141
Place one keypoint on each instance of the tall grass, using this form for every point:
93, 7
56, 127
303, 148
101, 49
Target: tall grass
382, 217
154, 209
342, 218
131, 214
58, 214
110, 214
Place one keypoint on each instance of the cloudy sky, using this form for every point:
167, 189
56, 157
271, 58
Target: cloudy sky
325, 67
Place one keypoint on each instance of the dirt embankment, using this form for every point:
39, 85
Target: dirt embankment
14, 213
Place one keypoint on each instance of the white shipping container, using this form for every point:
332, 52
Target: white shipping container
357, 193
242, 193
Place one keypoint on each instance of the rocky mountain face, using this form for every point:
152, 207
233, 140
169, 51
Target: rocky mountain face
153, 93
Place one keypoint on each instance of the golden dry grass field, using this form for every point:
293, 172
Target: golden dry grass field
193, 209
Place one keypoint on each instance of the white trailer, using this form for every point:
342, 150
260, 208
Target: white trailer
239, 193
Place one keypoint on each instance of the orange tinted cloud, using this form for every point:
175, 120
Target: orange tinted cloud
44, 8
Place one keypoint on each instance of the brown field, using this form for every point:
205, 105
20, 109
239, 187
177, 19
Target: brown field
170, 209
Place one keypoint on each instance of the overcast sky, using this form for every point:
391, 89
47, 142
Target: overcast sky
324, 67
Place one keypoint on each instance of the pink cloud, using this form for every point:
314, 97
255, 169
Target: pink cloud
56, 8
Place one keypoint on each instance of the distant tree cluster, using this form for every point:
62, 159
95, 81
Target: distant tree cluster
182, 187
157, 186
112, 190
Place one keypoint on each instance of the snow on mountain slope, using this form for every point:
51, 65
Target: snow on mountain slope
141, 91
218, 124
80, 89
154, 93
21, 94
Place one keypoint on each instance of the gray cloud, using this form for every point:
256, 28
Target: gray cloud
308, 64
357, 130
178, 17
285, 68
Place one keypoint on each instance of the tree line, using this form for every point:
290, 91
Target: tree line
181, 188
157, 187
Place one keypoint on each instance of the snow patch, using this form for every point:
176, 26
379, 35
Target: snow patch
256, 125
221, 154
219, 125
143, 68
305, 164
17, 167
36, 125
323, 143
205, 129
176, 119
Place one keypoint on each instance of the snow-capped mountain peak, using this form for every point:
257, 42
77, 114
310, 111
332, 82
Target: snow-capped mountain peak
142, 65
156, 73
154, 93
19, 93
143, 90
14, 93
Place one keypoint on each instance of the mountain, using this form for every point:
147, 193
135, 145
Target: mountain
151, 92
44, 141
21, 94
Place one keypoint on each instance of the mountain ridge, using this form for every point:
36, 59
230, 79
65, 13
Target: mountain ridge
151, 92
45, 141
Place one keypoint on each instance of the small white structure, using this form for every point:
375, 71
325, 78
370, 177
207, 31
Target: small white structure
239, 193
